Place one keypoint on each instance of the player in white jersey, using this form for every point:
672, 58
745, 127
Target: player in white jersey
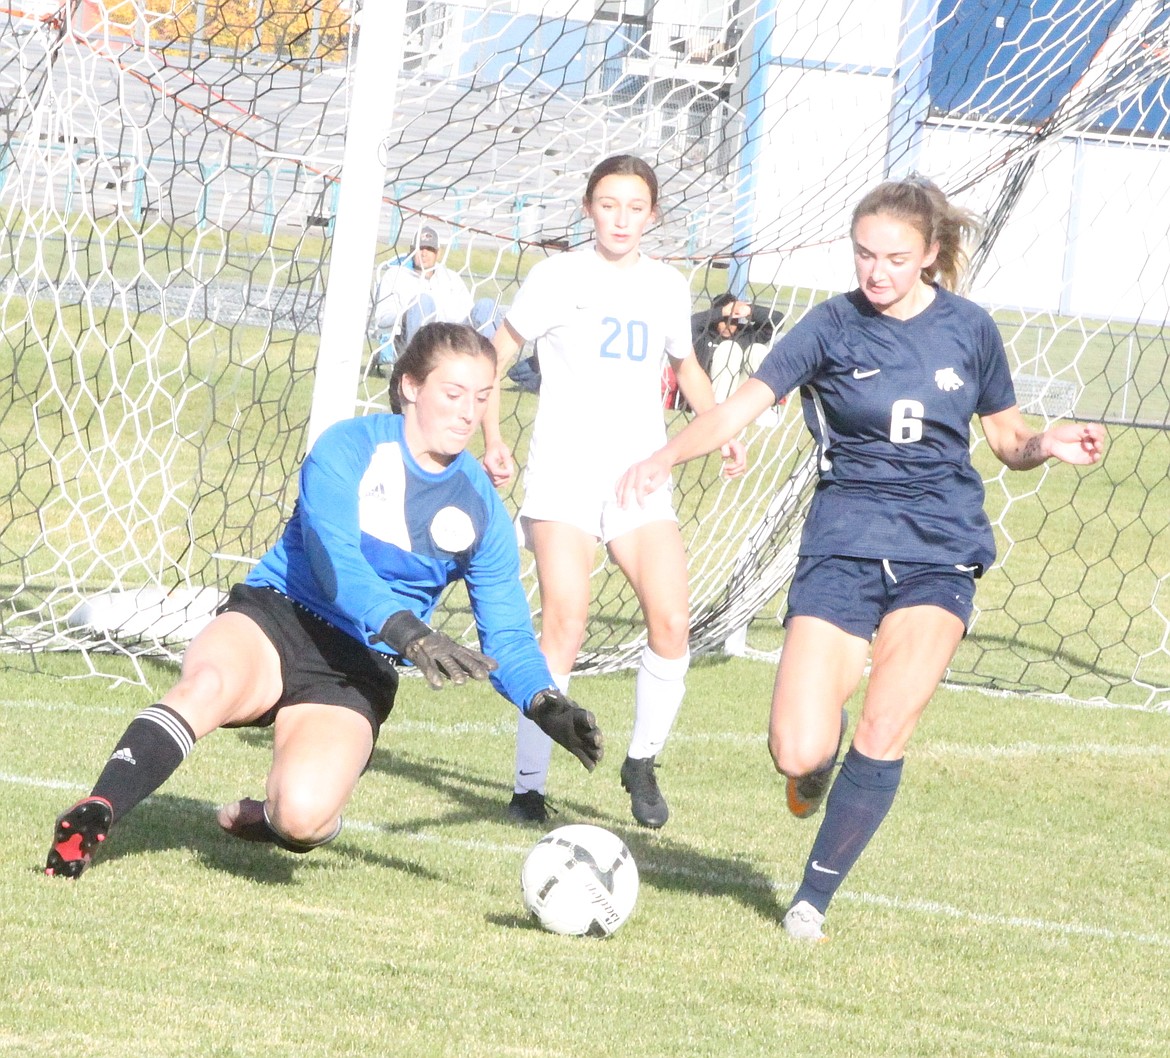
607, 318
890, 376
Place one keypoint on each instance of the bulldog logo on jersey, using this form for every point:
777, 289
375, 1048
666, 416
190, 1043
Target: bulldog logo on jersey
947, 380
452, 530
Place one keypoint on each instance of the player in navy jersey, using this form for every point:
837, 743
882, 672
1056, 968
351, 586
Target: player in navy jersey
608, 317
391, 510
890, 376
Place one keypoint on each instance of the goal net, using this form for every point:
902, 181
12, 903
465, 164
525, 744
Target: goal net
170, 177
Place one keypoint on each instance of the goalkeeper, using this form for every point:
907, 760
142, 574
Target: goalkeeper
391, 510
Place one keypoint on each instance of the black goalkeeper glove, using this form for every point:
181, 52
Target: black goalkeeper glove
437, 656
567, 724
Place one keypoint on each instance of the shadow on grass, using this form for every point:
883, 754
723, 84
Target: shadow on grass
166, 822
528, 922
675, 866
664, 863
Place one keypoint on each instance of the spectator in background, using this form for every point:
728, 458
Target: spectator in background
423, 290
731, 339
526, 372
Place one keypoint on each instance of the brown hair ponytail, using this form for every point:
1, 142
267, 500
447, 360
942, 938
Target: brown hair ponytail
430, 343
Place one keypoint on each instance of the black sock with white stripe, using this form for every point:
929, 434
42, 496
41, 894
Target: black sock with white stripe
153, 746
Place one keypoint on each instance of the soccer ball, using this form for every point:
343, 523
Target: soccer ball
580, 880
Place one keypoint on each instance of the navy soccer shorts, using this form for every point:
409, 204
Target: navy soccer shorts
856, 593
319, 663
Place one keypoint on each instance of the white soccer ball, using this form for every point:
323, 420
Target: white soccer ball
580, 880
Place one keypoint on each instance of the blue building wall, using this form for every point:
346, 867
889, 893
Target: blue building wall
1020, 71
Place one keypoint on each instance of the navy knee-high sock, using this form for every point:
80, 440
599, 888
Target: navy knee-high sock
152, 747
858, 802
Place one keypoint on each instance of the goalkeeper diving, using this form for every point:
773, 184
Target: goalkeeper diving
391, 510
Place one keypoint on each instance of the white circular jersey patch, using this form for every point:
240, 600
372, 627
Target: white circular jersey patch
451, 530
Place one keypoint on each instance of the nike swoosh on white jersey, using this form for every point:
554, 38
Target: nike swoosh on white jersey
824, 870
858, 373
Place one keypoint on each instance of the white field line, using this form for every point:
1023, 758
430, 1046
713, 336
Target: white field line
1019, 750
1162, 706
650, 868
508, 723
62, 707
506, 726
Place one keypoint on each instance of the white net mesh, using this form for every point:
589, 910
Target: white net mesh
169, 184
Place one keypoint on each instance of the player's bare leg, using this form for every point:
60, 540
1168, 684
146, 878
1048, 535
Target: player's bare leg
318, 754
653, 559
820, 667
564, 561
911, 652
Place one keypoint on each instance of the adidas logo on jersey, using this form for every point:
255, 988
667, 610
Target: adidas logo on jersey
123, 754
946, 379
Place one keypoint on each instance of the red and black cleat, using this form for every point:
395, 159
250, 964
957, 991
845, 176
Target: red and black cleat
75, 836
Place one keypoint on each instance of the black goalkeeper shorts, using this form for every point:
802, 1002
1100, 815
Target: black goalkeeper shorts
319, 663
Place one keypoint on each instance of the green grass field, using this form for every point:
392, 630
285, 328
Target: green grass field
1013, 904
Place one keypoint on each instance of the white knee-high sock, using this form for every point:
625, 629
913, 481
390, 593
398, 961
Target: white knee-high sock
658, 694
534, 749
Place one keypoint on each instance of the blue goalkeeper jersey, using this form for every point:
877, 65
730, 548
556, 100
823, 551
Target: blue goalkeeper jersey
889, 404
373, 533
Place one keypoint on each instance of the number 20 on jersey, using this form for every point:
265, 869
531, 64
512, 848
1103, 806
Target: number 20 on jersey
625, 341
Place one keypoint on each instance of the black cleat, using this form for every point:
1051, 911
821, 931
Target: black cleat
75, 836
646, 800
529, 807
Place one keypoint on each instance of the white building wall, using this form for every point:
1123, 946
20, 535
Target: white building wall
863, 34
816, 164
1026, 267
1121, 247
1090, 235
826, 137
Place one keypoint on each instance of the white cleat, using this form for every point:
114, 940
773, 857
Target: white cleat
802, 921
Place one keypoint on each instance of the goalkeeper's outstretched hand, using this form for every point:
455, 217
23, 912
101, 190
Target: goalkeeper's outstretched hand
567, 724
437, 656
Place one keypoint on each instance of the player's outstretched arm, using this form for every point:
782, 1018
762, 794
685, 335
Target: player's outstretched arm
567, 724
1019, 447
712, 429
438, 657
700, 395
497, 456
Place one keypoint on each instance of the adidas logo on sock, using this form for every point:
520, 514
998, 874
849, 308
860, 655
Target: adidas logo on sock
123, 754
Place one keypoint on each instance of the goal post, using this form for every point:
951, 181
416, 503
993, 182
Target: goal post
359, 205
197, 197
